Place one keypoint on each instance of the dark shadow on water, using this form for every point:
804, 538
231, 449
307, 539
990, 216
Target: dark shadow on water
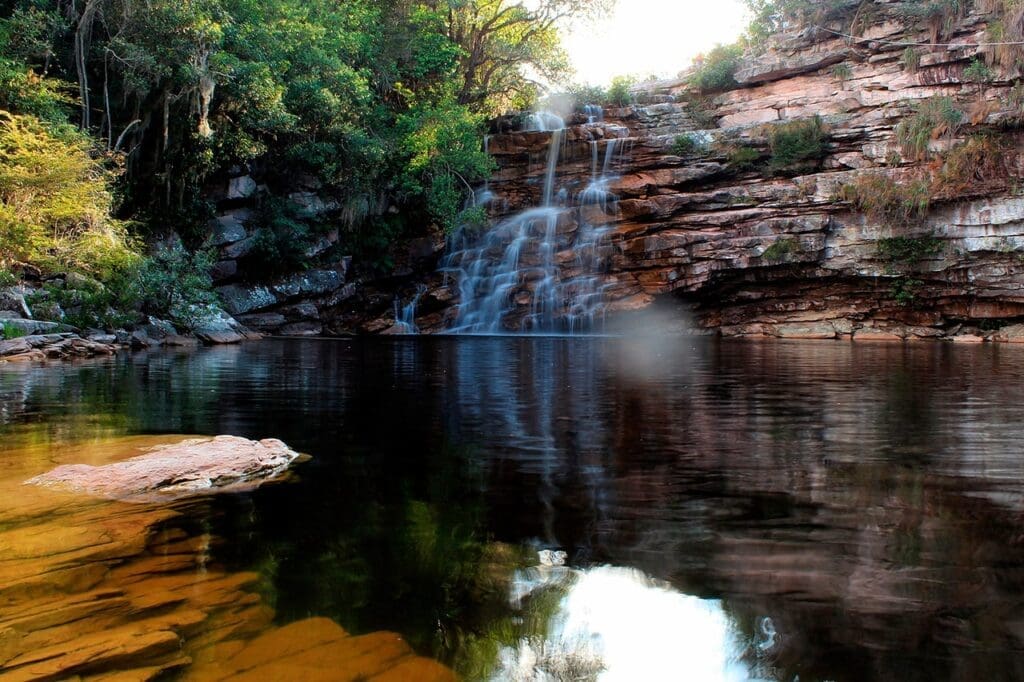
867, 499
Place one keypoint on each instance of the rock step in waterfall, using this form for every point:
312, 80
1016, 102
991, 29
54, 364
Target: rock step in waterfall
517, 276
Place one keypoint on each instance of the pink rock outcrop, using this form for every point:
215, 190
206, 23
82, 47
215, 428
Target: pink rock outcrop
191, 467
763, 251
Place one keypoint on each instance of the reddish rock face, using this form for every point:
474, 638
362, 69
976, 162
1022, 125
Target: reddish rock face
774, 251
166, 472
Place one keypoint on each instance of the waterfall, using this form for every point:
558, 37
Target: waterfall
539, 270
405, 316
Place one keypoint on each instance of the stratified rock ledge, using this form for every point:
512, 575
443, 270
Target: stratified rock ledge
198, 466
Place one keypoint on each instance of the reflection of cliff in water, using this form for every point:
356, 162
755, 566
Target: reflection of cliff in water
867, 498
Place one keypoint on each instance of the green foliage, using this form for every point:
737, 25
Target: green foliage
978, 72
886, 201
332, 89
55, 203
175, 284
281, 241
473, 218
797, 143
773, 16
842, 71
743, 158
910, 58
932, 118
583, 95
781, 249
716, 71
688, 145
443, 157
904, 290
620, 91
7, 278
936, 16
9, 331
703, 111
908, 250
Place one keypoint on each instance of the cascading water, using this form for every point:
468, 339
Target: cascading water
405, 316
516, 265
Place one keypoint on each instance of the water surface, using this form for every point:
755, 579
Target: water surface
728, 510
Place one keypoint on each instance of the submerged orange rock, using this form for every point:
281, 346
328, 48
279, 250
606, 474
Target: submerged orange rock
95, 589
172, 471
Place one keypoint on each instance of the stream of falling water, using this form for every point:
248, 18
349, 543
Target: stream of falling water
519, 265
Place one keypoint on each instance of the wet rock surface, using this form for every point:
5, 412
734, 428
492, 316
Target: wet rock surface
92, 589
42, 347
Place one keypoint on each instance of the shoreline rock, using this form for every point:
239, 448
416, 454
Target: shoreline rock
192, 467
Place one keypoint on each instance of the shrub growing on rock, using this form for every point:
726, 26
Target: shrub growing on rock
687, 145
620, 91
716, 71
910, 60
980, 160
932, 118
908, 250
781, 250
174, 284
978, 72
895, 204
742, 158
797, 143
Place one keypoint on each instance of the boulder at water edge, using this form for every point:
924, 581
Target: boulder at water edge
196, 466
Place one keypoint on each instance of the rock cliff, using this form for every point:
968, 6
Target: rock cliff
883, 231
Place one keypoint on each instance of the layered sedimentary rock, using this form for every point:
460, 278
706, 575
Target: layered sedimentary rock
758, 249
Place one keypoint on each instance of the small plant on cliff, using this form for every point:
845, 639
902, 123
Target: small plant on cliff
742, 158
978, 72
716, 71
910, 60
781, 250
797, 144
908, 250
890, 203
281, 240
935, 16
688, 145
620, 92
842, 71
982, 160
702, 110
473, 219
933, 118
9, 331
904, 290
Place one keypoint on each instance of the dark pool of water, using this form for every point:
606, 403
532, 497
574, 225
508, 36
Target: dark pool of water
839, 511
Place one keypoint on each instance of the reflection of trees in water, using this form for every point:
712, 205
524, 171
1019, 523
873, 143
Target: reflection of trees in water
866, 497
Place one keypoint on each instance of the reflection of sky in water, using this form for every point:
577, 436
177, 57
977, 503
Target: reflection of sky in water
627, 626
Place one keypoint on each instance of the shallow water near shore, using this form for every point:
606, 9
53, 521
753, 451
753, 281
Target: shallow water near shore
728, 509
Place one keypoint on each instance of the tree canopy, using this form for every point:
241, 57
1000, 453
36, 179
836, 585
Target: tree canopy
382, 102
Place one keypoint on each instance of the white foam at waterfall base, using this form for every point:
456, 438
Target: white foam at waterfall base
516, 260
619, 624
